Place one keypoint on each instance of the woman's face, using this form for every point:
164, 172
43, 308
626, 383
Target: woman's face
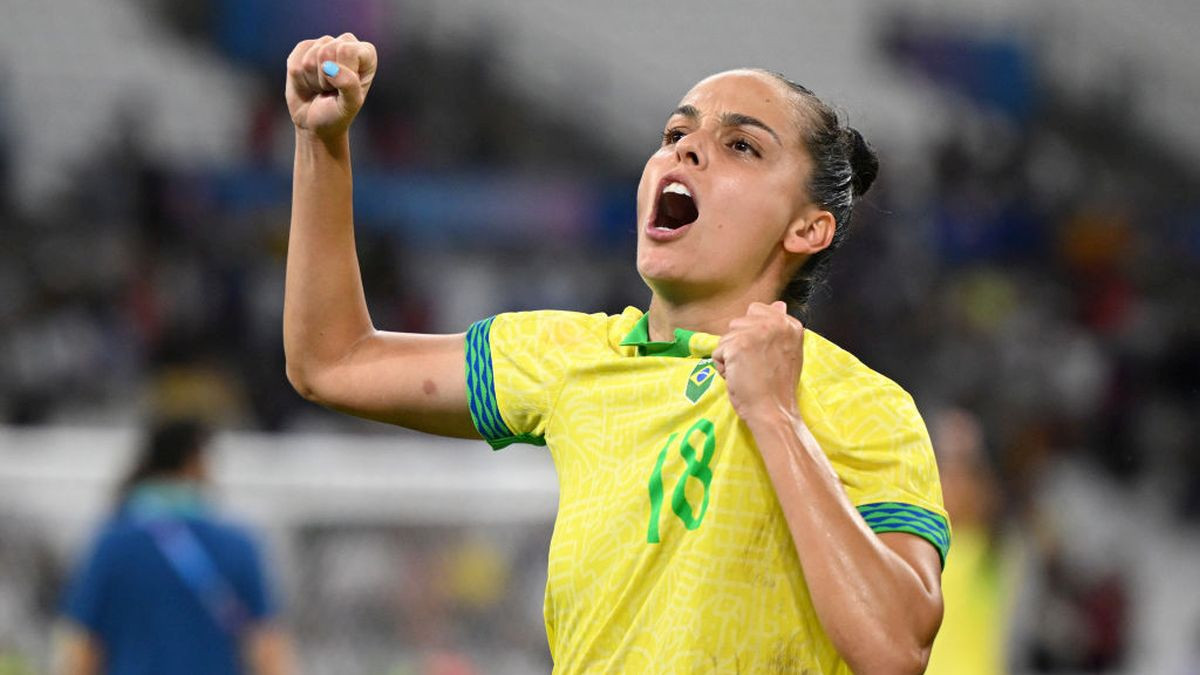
717, 199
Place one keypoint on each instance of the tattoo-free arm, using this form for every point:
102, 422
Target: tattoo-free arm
878, 596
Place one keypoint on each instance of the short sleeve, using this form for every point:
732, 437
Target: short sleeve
256, 587
86, 595
885, 459
516, 365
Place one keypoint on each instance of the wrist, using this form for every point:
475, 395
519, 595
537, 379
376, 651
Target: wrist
772, 415
312, 144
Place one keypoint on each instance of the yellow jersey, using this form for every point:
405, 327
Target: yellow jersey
670, 553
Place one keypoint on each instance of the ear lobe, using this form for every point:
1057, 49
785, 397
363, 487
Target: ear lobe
810, 233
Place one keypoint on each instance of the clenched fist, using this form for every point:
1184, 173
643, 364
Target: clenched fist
760, 357
327, 82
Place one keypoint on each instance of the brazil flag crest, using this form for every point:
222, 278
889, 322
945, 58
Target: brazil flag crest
700, 380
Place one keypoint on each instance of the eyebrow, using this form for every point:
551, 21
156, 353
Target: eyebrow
729, 119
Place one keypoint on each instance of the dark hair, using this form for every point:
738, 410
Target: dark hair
844, 166
166, 450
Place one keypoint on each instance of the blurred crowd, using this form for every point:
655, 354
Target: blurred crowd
1036, 275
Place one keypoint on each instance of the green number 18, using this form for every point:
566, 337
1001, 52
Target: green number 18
698, 469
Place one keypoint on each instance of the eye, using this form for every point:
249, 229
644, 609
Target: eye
672, 136
742, 146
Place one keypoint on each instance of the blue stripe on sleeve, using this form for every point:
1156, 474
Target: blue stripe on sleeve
898, 517
481, 387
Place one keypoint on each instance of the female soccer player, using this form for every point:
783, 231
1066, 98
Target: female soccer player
737, 494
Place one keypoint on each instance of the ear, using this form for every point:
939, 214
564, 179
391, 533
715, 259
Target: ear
810, 232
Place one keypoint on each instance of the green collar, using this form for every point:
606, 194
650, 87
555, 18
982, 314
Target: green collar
687, 344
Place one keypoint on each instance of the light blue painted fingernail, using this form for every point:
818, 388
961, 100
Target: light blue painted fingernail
331, 69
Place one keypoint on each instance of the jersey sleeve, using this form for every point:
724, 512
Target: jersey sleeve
86, 597
516, 366
250, 576
886, 460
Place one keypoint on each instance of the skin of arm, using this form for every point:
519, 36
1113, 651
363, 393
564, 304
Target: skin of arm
76, 651
268, 651
335, 356
878, 597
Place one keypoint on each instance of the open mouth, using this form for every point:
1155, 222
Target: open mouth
676, 207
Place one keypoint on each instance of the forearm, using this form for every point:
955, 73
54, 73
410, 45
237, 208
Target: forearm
76, 652
875, 607
269, 652
325, 312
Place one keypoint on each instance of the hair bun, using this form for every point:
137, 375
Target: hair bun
864, 165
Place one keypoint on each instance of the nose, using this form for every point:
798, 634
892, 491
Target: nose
692, 149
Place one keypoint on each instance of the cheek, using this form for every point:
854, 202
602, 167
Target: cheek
644, 189
751, 207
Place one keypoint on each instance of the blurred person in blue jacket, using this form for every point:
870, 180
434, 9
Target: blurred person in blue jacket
168, 588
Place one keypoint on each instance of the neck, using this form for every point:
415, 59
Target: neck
706, 315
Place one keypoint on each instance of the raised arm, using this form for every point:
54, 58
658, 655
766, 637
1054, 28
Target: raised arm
335, 356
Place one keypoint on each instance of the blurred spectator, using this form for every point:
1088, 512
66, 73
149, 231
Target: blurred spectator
167, 586
1035, 259
975, 584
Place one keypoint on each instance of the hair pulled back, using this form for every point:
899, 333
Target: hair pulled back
843, 168
168, 448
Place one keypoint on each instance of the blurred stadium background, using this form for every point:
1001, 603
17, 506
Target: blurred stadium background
1027, 268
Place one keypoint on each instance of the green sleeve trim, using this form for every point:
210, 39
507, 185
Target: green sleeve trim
898, 517
528, 439
481, 390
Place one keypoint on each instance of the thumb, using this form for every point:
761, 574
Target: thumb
779, 305
718, 359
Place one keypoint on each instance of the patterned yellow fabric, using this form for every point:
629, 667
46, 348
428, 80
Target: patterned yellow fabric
670, 552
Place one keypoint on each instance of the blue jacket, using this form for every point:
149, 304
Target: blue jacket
136, 604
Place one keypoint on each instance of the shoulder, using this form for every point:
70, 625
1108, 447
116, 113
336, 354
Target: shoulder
230, 536
116, 535
551, 329
836, 373
854, 392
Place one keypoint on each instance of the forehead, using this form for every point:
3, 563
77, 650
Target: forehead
746, 92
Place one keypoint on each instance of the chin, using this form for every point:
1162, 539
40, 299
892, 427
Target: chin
659, 266
670, 283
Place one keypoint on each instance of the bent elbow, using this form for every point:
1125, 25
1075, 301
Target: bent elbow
918, 660
302, 381
908, 659
895, 659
